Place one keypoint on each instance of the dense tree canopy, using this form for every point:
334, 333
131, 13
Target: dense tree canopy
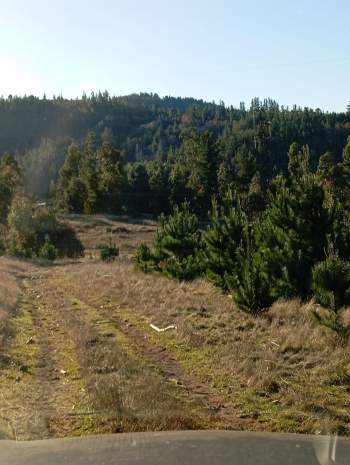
235, 143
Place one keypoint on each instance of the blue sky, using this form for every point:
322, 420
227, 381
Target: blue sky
294, 51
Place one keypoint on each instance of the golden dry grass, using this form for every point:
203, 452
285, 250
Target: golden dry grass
9, 294
281, 371
96, 229
283, 359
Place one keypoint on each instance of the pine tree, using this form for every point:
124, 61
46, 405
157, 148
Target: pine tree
89, 175
158, 176
138, 191
245, 169
112, 178
326, 170
344, 192
331, 283
255, 198
247, 283
70, 192
286, 239
10, 180
222, 239
178, 243
200, 153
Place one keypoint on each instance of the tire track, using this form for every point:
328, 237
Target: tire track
193, 390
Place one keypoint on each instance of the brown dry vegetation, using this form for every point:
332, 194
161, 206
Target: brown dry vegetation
96, 229
9, 295
220, 368
283, 367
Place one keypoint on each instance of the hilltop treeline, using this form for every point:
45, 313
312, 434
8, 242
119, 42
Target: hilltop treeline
146, 128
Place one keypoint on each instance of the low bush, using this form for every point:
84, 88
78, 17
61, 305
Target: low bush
48, 251
33, 231
177, 246
109, 252
143, 259
331, 283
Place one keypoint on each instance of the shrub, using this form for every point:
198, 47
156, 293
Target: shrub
108, 252
143, 259
247, 283
222, 239
21, 235
48, 251
29, 228
178, 243
331, 283
63, 237
177, 246
182, 269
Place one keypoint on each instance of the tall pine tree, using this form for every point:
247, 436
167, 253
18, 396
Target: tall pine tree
223, 238
296, 216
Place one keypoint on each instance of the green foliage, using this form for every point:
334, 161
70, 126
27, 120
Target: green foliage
70, 192
109, 252
30, 228
247, 283
138, 191
244, 168
112, 178
331, 283
184, 268
91, 180
296, 216
143, 258
48, 251
89, 175
21, 230
260, 257
158, 181
177, 246
222, 239
10, 181
178, 234
65, 240
200, 153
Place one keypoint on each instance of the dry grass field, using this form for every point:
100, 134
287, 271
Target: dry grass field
78, 354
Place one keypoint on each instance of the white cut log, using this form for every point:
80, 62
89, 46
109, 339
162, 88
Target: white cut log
162, 330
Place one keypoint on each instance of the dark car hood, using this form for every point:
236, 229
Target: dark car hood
180, 448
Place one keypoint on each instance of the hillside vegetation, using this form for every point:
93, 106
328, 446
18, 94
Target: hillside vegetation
244, 142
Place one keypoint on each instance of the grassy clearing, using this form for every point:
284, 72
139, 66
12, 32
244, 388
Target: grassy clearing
122, 382
278, 372
282, 368
97, 229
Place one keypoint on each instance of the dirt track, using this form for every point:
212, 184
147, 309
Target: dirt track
47, 385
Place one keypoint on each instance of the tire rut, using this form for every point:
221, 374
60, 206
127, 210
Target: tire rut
193, 389
51, 400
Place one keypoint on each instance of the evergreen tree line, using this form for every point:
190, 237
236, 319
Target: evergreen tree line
98, 178
146, 127
298, 245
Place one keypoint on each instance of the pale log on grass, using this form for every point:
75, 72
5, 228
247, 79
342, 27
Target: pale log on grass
162, 330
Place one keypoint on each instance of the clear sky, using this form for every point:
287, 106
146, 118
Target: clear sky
295, 51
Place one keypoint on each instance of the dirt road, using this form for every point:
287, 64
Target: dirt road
72, 367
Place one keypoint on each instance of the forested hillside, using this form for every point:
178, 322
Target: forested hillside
238, 143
